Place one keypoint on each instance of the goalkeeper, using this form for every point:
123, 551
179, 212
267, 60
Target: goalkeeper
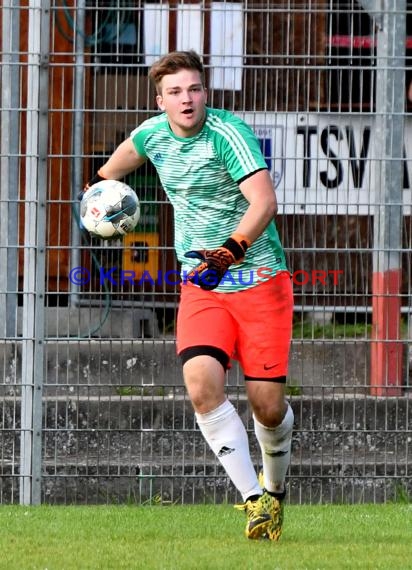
236, 295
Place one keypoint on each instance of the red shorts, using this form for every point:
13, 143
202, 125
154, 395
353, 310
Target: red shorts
253, 326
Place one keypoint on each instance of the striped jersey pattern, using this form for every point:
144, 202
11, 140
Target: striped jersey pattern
199, 175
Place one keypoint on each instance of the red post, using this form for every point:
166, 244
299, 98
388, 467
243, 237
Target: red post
386, 348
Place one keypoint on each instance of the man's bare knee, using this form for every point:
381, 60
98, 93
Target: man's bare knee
270, 414
204, 378
268, 401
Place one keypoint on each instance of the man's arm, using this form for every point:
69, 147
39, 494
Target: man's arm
259, 192
124, 159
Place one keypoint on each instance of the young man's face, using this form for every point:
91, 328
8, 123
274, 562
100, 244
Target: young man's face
183, 98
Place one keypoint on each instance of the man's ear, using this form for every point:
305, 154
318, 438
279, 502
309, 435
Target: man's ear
159, 101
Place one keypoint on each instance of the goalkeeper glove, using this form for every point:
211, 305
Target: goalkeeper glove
96, 178
215, 262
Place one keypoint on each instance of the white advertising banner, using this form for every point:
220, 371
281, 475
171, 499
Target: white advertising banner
325, 163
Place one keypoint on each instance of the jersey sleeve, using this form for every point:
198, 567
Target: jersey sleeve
239, 149
138, 136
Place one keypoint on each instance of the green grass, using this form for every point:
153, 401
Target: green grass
305, 330
331, 330
203, 537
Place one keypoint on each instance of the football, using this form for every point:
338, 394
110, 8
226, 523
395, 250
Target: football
109, 209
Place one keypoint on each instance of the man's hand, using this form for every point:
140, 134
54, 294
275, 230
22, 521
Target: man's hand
215, 262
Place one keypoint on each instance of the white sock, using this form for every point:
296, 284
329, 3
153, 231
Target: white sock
224, 431
275, 444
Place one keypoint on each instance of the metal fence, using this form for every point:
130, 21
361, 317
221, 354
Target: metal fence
93, 408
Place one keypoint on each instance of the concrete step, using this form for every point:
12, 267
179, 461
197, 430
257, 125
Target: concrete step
316, 367
82, 482
338, 414
137, 448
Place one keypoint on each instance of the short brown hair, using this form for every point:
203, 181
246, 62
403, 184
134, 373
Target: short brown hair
174, 62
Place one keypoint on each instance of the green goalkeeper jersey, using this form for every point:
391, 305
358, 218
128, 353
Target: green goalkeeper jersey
200, 176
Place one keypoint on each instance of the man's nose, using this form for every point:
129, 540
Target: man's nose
187, 95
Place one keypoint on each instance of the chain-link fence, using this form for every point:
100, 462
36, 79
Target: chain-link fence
93, 407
